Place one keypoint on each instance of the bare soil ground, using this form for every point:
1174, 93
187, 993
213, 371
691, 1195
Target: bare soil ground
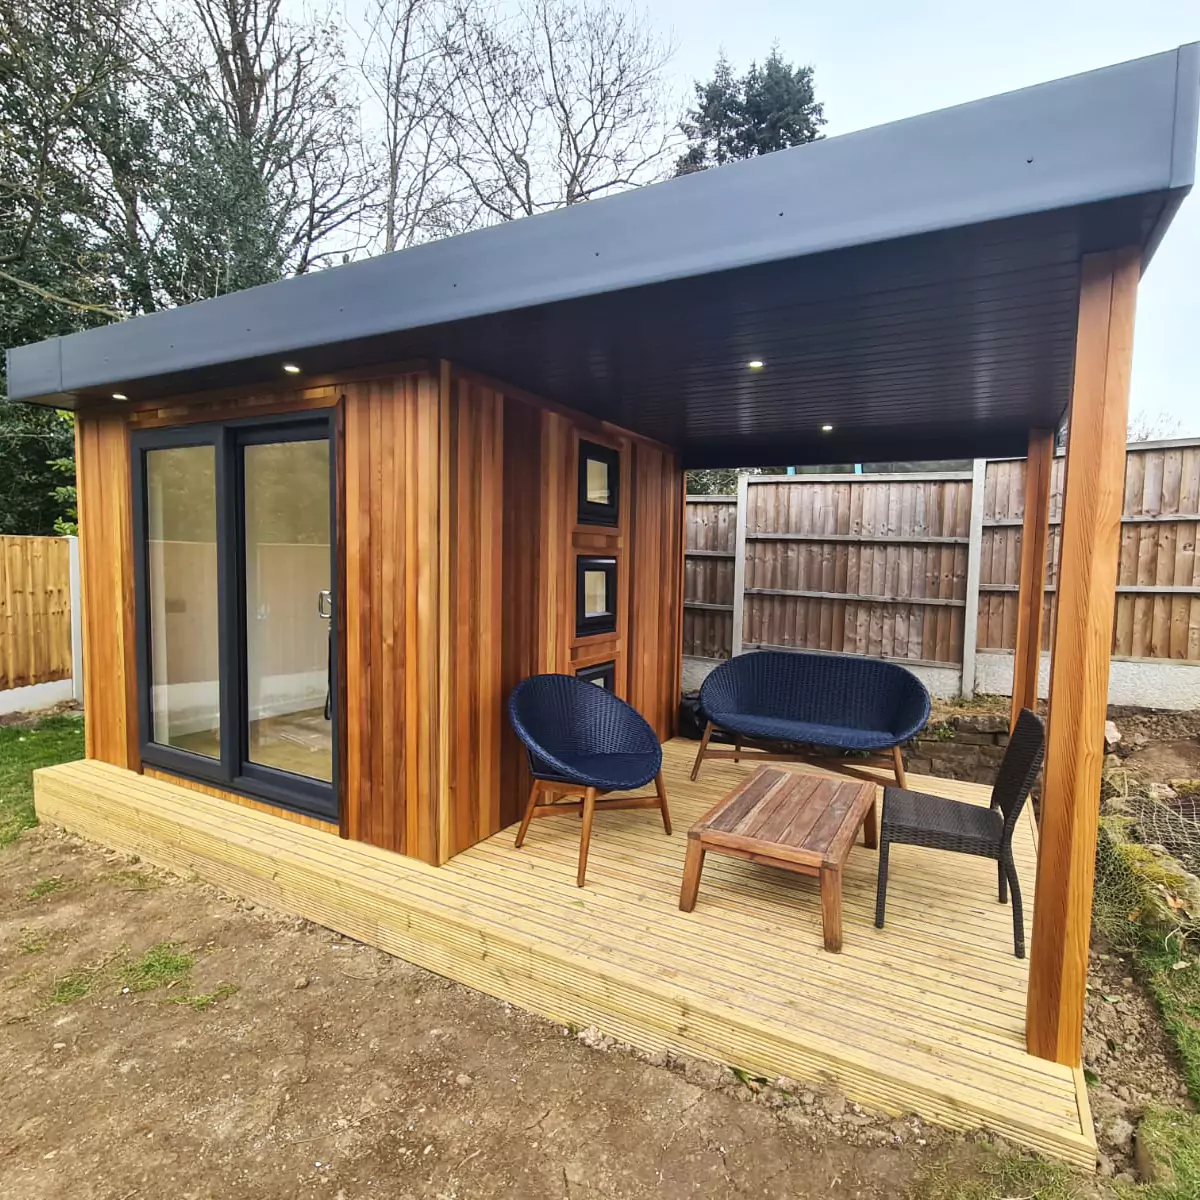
289, 1062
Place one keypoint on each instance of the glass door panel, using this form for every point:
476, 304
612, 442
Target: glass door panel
288, 608
182, 602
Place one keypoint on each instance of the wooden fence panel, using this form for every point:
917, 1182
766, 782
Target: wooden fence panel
859, 564
35, 610
708, 577
877, 564
1158, 575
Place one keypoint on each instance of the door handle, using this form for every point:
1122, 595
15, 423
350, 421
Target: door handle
325, 605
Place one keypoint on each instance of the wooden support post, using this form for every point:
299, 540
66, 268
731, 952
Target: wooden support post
1035, 530
1092, 502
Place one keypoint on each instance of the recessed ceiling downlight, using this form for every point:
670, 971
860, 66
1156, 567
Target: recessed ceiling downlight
291, 368
826, 428
119, 396
756, 364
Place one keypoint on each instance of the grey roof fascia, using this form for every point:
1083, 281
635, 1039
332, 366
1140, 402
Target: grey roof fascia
1103, 135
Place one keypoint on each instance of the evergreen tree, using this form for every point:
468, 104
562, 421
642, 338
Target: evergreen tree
771, 107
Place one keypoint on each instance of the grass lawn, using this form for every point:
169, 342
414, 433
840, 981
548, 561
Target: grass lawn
22, 749
1171, 1137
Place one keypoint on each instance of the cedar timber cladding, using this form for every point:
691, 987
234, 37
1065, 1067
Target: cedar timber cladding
106, 578
460, 544
656, 592
391, 449
472, 545
457, 538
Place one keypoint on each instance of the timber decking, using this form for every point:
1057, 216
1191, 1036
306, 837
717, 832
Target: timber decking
926, 1015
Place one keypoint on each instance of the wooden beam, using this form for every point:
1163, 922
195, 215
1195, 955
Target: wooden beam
1092, 502
1032, 589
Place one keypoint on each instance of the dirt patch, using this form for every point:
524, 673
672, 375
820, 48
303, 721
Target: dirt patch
162, 1039
30, 719
1127, 1056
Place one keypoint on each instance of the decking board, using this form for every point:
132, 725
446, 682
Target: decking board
926, 1015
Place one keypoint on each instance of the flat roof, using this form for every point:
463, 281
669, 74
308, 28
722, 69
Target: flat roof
915, 285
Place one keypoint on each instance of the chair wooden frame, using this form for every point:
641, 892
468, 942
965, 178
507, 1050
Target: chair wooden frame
586, 807
759, 752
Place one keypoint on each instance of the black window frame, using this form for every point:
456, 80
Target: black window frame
603, 623
590, 512
601, 670
233, 770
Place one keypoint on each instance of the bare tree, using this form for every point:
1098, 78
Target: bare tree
406, 75
289, 105
560, 103
1147, 426
56, 58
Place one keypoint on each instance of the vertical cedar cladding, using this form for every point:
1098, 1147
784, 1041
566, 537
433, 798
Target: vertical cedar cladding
390, 612
457, 540
106, 577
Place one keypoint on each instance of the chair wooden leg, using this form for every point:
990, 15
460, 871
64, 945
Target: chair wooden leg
708, 730
898, 761
661, 789
533, 799
585, 834
737, 749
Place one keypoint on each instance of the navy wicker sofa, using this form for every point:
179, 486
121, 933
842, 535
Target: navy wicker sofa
829, 701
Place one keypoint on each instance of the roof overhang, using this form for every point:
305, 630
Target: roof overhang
915, 285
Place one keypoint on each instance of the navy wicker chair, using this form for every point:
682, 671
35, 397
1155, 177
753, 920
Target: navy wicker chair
915, 819
582, 740
830, 701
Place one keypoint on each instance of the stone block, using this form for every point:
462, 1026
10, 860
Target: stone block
965, 737
982, 723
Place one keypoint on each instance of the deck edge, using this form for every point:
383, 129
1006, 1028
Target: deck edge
560, 986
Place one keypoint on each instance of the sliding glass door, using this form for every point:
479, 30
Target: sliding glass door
236, 608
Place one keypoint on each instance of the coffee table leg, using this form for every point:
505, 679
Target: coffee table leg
831, 907
692, 866
871, 827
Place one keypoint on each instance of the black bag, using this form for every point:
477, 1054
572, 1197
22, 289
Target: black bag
691, 719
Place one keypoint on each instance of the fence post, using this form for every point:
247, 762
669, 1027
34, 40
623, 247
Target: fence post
739, 563
76, 622
974, 562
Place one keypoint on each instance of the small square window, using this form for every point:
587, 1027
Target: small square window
599, 484
602, 675
595, 595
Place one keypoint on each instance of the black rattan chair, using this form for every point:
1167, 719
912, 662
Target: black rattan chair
916, 819
583, 741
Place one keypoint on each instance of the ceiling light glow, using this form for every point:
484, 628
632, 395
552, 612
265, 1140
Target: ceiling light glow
120, 396
756, 364
826, 428
291, 368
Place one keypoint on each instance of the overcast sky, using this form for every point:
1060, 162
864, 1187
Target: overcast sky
878, 61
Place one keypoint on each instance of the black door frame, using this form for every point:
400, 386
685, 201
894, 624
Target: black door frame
233, 770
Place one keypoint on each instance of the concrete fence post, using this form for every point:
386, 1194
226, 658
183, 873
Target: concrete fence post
974, 562
739, 563
76, 623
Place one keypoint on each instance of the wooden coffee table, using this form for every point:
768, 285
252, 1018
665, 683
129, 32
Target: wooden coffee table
791, 819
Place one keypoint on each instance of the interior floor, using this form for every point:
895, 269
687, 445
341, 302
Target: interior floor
299, 742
